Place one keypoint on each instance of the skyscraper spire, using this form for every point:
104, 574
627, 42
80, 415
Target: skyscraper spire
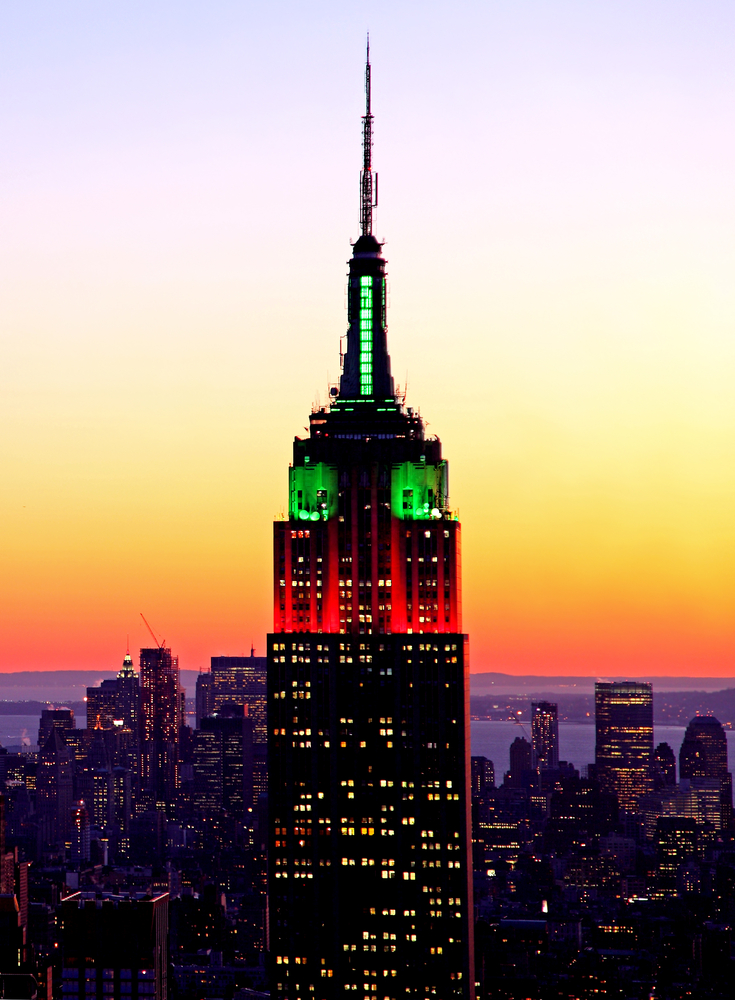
366, 177
367, 661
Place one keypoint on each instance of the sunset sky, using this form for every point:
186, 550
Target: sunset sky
178, 189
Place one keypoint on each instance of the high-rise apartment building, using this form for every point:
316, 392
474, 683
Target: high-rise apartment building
161, 717
545, 734
369, 855
624, 740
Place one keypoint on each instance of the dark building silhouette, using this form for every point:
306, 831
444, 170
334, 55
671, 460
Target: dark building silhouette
545, 734
369, 856
482, 776
161, 717
624, 740
676, 843
102, 704
703, 755
664, 765
114, 946
55, 718
223, 762
54, 790
521, 762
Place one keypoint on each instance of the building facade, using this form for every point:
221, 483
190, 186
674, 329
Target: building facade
161, 719
370, 866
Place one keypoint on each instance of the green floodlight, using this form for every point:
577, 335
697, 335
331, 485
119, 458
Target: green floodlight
314, 515
304, 515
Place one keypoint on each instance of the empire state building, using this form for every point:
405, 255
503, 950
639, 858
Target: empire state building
368, 722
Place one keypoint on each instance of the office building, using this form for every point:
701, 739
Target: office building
703, 755
624, 740
241, 680
544, 734
368, 757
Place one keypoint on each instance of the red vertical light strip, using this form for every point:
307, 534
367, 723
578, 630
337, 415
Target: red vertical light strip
375, 540
398, 574
331, 579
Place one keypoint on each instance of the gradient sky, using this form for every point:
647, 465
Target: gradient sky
178, 187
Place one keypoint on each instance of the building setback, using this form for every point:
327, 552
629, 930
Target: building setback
370, 866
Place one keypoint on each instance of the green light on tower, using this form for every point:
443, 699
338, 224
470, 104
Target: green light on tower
366, 336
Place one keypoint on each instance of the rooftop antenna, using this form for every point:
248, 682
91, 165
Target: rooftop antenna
366, 175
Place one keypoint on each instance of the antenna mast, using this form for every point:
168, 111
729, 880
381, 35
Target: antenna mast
366, 176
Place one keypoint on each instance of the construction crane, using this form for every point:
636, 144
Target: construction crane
160, 644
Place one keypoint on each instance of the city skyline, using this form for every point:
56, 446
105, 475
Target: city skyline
571, 171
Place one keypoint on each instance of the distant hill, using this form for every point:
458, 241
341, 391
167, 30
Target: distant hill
64, 685
497, 683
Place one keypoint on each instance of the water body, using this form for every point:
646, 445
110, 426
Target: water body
489, 739
576, 742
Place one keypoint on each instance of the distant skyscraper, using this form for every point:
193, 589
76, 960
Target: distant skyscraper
545, 734
369, 856
204, 700
129, 696
703, 755
521, 759
624, 740
161, 720
482, 776
55, 718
